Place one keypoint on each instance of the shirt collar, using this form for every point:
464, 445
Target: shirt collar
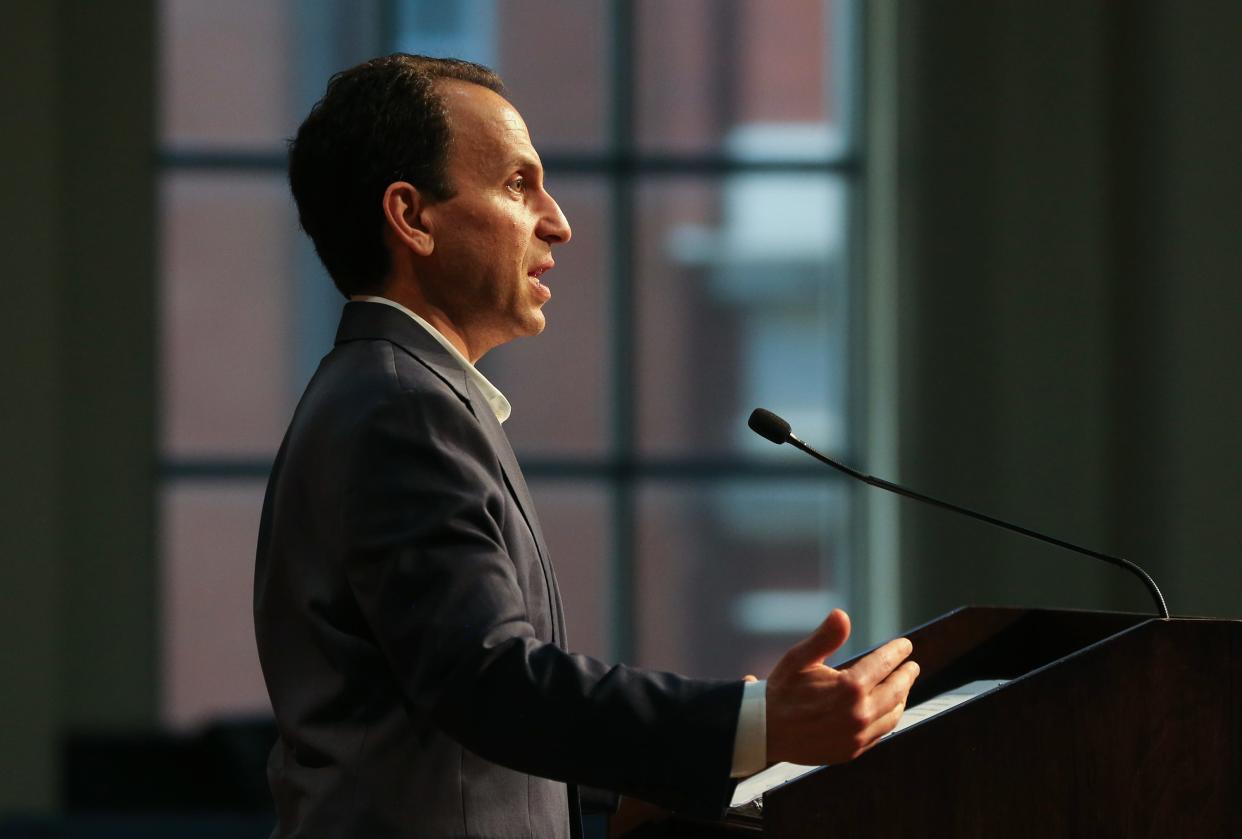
495, 399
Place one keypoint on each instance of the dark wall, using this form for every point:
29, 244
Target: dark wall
77, 424
1070, 349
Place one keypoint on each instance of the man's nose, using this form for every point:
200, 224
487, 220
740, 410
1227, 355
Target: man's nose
554, 227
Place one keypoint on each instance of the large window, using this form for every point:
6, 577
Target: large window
705, 154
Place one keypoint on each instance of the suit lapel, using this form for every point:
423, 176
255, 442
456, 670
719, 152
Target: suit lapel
521, 494
508, 462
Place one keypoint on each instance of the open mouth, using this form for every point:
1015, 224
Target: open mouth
535, 274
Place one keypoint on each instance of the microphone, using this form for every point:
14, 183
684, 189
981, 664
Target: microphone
771, 427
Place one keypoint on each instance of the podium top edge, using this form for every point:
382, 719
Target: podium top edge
1015, 611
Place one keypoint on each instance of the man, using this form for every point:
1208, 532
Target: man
407, 615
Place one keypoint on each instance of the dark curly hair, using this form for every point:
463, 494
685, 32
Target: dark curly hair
378, 123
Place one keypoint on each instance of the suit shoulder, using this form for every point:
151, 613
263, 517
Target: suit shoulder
377, 371
362, 385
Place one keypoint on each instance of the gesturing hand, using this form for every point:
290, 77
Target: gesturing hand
820, 715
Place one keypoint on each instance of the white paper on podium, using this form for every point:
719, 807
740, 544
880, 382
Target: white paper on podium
748, 797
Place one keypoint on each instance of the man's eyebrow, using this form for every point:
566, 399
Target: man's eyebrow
524, 161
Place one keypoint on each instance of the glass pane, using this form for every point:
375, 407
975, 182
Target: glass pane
743, 77
576, 519
211, 666
742, 298
225, 73
557, 382
559, 87
551, 54
228, 305
730, 575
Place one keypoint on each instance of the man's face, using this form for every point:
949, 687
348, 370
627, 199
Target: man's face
494, 237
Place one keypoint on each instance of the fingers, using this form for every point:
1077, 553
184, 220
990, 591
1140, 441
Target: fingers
823, 642
889, 699
875, 667
899, 682
750, 677
882, 725
888, 703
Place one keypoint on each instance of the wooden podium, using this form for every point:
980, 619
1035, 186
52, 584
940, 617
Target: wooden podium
1110, 725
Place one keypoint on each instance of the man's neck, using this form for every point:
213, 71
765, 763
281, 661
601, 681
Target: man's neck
444, 326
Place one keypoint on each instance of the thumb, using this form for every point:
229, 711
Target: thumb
823, 642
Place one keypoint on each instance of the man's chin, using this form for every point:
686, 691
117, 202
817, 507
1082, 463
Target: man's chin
536, 321
529, 326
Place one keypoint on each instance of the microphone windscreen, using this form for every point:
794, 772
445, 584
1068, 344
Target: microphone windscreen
769, 426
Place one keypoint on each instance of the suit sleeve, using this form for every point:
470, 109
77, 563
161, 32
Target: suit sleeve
427, 562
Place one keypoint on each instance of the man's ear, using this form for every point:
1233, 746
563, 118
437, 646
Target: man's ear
403, 211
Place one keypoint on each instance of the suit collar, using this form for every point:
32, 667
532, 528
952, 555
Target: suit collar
491, 395
362, 321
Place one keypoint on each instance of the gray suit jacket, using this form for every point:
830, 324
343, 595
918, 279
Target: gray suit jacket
410, 628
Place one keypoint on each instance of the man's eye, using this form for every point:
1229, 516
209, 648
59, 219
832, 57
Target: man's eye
518, 184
